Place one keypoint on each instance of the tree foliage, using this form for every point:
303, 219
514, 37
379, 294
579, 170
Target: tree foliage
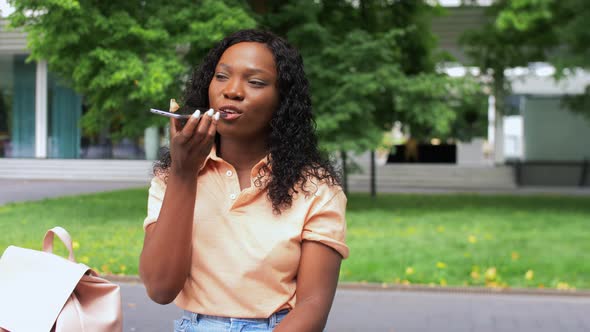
370, 62
519, 32
124, 56
370, 65
566, 21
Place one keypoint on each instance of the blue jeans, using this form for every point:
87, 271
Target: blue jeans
193, 322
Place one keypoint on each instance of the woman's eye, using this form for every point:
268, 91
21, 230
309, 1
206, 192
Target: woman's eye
258, 83
220, 76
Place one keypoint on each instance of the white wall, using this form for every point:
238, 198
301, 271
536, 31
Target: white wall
513, 137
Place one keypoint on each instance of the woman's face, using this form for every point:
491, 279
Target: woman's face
244, 89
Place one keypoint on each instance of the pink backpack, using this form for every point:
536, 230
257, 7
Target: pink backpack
40, 291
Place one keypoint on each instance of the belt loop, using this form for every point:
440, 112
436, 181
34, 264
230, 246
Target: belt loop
187, 315
272, 320
195, 317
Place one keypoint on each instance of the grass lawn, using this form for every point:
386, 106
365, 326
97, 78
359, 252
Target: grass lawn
515, 241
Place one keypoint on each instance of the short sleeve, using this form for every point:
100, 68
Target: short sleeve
155, 199
327, 224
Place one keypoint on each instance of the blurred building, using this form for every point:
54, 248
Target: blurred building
545, 141
40, 136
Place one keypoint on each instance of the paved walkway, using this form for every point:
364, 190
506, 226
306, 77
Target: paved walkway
403, 311
364, 309
24, 190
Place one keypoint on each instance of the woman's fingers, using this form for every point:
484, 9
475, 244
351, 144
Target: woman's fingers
189, 128
213, 127
203, 128
199, 128
175, 125
209, 131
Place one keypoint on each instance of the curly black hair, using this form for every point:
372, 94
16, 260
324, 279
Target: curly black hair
296, 160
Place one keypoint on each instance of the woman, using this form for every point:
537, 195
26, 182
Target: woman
245, 227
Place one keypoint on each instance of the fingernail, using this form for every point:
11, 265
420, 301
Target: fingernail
173, 105
216, 116
197, 114
210, 112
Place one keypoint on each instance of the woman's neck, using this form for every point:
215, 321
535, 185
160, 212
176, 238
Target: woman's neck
242, 154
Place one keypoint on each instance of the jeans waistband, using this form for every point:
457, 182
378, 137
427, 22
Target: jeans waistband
271, 321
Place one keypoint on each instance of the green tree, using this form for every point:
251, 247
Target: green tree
495, 48
522, 31
566, 22
124, 56
370, 65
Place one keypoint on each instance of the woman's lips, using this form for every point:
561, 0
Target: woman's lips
229, 112
229, 115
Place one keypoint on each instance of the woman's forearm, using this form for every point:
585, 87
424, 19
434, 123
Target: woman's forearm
166, 256
308, 316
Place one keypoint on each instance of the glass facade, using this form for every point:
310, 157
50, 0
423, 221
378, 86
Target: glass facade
65, 139
17, 107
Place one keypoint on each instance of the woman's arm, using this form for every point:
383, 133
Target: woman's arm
165, 260
317, 279
166, 256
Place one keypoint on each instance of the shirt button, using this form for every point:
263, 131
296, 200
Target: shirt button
229, 173
232, 196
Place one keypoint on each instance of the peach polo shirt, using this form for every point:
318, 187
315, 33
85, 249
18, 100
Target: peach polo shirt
245, 258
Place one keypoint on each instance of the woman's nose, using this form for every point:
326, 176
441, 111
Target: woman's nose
233, 90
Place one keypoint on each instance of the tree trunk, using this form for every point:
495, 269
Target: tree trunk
259, 6
373, 175
344, 172
499, 96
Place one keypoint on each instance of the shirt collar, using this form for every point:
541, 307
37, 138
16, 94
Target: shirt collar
213, 157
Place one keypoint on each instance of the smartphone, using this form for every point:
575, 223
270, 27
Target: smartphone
171, 115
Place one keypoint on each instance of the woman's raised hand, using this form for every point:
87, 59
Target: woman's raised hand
190, 145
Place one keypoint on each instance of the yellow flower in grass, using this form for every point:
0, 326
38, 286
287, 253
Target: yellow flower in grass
443, 282
406, 282
475, 275
472, 239
84, 259
529, 275
123, 268
409, 270
515, 256
105, 269
564, 286
440, 229
75, 245
492, 284
491, 274
441, 265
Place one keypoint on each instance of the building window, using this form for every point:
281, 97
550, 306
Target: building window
65, 138
64, 108
17, 107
